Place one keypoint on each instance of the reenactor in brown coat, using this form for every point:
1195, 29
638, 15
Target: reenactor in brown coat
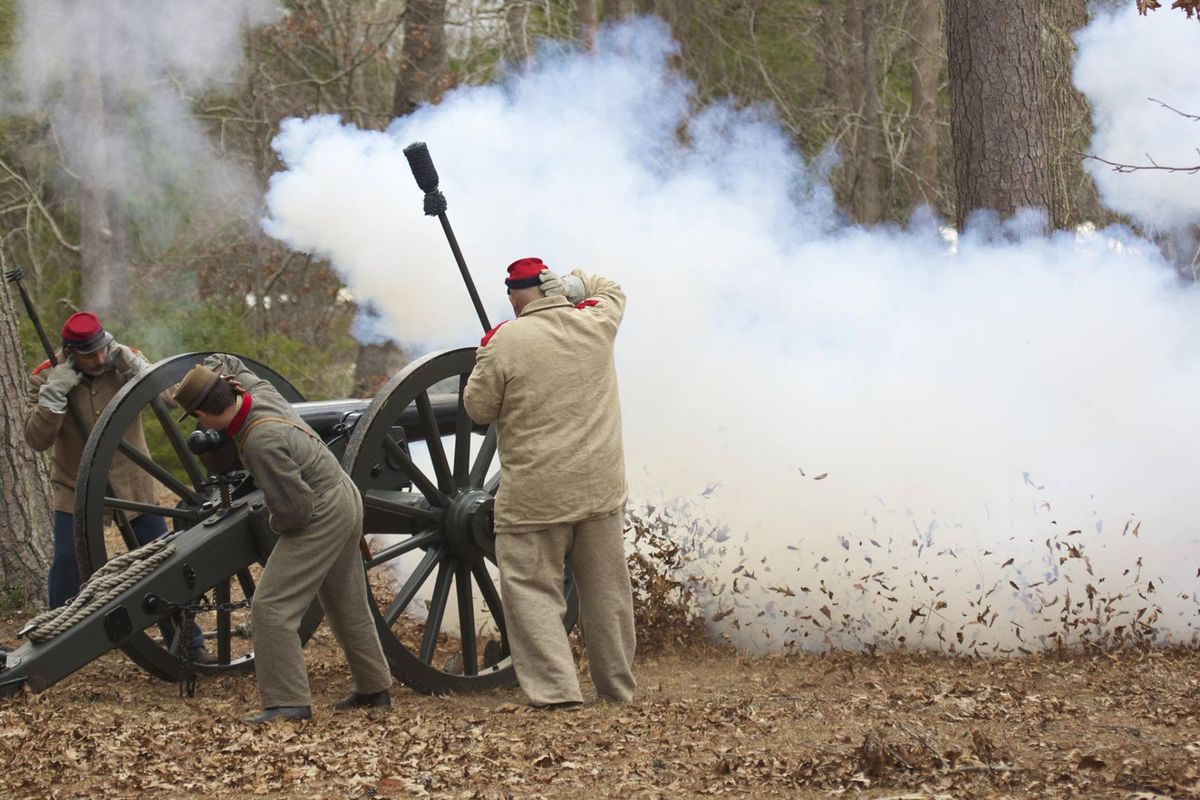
317, 511
91, 369
548, 381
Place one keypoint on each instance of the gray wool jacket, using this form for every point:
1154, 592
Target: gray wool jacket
288, 460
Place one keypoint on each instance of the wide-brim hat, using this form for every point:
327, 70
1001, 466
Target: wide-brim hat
83, 333
195, 386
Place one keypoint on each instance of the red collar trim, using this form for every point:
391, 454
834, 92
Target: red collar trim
240, 417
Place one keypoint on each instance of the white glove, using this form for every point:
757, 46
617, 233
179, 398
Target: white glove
551, 284
125, 361
568, 286
59, 382
573, 288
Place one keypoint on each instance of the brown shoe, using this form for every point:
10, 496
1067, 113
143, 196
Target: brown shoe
200, 655
279, 712
357, 700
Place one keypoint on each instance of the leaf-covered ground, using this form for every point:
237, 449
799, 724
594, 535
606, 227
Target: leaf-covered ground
706, 722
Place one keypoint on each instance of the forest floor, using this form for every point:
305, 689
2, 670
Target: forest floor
707, 721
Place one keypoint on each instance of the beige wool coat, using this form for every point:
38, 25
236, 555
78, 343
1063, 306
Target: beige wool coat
45, 429
548, 381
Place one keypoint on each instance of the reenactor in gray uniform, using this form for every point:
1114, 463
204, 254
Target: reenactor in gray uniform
548, 381
317, 511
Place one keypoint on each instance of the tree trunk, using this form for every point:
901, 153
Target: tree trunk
615, 9
926, 72
516, 21
833, 54
1073, 195
423, 63
25, 525
587, 20
868, 171
102, 267
375, 365
996, 119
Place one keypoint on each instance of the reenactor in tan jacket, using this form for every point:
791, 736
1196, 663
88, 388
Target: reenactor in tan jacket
548, 381
317, 511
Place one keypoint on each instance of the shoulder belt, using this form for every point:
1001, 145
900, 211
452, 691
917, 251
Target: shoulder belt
487, 337
246, 433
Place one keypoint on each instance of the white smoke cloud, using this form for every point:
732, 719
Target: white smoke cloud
1124, 60
866, 410
116, 77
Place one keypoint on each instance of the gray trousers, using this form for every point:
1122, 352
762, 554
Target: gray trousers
322, 560
531, 581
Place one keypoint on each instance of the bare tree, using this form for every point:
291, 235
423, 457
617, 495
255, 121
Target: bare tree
102, 264
868, 154
616, 9
996, 116
423, 60
24, 484
1073, 195
926, 67
516, 20
586, 17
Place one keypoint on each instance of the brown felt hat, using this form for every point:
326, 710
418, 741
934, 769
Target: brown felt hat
195, 386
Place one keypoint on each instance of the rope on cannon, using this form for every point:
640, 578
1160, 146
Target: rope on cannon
106, 584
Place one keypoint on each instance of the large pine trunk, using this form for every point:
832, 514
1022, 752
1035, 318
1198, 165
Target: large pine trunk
587, 18
25, 526
423, 63
996, 119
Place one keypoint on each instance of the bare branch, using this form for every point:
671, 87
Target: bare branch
37, 201
1153, 165
1184, 114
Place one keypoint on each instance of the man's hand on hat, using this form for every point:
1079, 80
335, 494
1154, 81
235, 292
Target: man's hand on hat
60, 380
555, 285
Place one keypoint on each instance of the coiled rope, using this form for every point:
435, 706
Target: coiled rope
105, 584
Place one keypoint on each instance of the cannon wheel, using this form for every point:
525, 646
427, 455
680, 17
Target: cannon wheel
433, 523
140, 400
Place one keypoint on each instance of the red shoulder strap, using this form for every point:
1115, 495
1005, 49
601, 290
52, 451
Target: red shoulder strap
42, 366
587, 304
487, 337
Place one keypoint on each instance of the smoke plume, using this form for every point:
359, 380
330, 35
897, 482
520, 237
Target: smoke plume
1132, 68
115, 79
868, 437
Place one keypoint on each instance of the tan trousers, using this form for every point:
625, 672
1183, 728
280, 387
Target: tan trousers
531, 581
323, 560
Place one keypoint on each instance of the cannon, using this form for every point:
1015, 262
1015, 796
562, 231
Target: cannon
425, 473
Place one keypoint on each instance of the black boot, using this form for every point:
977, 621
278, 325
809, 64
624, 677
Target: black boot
200, 655
280, 712
357, 700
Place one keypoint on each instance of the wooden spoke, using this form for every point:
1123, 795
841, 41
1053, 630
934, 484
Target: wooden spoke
413, 585
491, 597
221, 594
160, 474
487, 451
433, 441
419, 479
466, 618
462, 437
191, 515
402, 504
420, 540
191, 464
437, 611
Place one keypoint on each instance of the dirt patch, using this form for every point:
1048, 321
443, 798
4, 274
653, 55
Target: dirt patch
706, 722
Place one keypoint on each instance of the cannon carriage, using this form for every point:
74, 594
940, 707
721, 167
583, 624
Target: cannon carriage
428, 477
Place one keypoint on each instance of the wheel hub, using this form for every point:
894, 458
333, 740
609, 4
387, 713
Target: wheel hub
470, 523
